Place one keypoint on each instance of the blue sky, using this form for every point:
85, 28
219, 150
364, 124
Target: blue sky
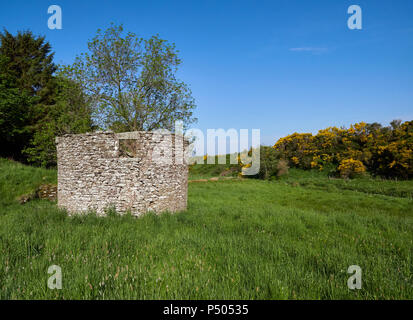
278, 66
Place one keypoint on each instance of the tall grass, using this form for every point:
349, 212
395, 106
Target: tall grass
237, 240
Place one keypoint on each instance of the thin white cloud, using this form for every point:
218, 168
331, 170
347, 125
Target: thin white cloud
313, 50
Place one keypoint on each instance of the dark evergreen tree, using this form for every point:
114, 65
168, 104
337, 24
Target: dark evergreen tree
27, 89
14, 105
30, 61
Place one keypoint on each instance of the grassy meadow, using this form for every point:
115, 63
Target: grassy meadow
292, 238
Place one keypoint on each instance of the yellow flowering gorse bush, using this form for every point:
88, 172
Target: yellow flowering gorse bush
350, 168
384, 151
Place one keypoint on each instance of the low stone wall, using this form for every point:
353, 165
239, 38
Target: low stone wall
136, 171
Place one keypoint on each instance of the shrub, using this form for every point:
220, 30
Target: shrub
271, 164
384, 151
350, 168
282, 168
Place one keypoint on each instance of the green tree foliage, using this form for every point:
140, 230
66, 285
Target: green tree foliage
30, 61
36, 105
14, 105
27, 86
70, 114
132, 82
271, 163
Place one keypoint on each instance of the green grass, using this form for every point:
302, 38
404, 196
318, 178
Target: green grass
204, 171
287, 239
319, 180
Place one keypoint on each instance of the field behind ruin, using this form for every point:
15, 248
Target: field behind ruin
293, 238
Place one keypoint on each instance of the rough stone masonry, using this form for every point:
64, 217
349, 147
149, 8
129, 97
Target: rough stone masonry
130, 171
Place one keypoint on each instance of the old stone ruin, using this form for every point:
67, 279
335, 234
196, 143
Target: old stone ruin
130, 171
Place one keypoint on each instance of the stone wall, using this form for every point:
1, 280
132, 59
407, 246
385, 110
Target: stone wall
136, 171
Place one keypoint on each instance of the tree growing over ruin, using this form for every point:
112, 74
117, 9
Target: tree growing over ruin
132, 82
